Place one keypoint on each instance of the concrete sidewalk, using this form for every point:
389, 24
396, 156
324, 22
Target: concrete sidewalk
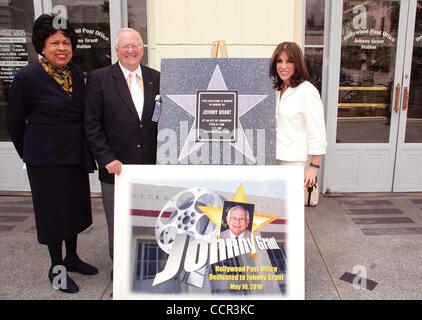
377, 237
24, 262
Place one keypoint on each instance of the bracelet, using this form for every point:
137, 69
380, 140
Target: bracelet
314, 165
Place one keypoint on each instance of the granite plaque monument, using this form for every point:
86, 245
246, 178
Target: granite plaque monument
216, 111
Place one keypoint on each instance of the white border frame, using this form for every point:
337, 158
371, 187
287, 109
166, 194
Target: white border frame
295, 211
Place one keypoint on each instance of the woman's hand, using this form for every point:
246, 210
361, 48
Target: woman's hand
310, 176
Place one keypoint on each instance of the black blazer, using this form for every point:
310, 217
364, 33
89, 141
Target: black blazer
44, 122
112, 125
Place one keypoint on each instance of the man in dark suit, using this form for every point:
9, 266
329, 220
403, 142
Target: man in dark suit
119, 106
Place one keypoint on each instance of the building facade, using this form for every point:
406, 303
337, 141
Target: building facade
365, 57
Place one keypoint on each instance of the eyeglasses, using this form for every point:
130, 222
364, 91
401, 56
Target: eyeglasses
130, 46
241, 220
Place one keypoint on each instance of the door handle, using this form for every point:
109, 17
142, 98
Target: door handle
405, 99
397, 100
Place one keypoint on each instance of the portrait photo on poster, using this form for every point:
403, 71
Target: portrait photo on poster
237, 219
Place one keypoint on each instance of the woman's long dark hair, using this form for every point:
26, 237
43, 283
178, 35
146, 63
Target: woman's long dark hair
295, 55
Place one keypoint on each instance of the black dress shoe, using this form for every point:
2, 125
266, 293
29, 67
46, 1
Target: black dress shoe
80, 267
68, 287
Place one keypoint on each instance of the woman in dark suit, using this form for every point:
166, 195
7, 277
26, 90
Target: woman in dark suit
45, 123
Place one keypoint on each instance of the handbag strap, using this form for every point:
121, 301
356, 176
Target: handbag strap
310, 189
309, 195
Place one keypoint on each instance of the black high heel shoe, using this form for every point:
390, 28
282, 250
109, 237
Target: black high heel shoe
79, 266
68, 287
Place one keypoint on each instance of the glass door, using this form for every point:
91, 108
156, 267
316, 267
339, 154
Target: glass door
91, 20
408, 171
368, 68
96, 22
363, 113
374, 121
92, 23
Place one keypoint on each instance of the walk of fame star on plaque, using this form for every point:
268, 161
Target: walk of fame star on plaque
244, 102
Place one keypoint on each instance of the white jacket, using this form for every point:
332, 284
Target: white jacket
300, 124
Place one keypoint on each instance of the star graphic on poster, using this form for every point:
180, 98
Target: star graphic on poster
260, 220
188, 103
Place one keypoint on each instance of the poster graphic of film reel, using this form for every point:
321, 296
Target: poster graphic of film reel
181, 215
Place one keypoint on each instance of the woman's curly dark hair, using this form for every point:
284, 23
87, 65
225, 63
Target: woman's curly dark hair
295, 55
44, 28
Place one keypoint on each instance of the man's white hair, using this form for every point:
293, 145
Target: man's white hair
229, 213
123, 30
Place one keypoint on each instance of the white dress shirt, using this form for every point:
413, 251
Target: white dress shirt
135, 90
300, 124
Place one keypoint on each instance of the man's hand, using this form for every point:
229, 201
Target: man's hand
114, 167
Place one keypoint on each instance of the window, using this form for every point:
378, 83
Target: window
414, 114
149, 260
137, 19
314, 39
92, 25
16, 50
367, 71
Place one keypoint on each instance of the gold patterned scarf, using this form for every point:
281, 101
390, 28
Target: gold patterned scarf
63, 76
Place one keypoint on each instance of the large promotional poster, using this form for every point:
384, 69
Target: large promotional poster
220, 232
216, 111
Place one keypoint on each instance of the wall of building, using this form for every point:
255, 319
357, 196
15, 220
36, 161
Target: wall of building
251, 28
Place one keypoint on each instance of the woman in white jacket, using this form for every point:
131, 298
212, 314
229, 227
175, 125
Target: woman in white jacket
301, 137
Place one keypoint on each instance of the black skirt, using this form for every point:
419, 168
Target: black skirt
62, 201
